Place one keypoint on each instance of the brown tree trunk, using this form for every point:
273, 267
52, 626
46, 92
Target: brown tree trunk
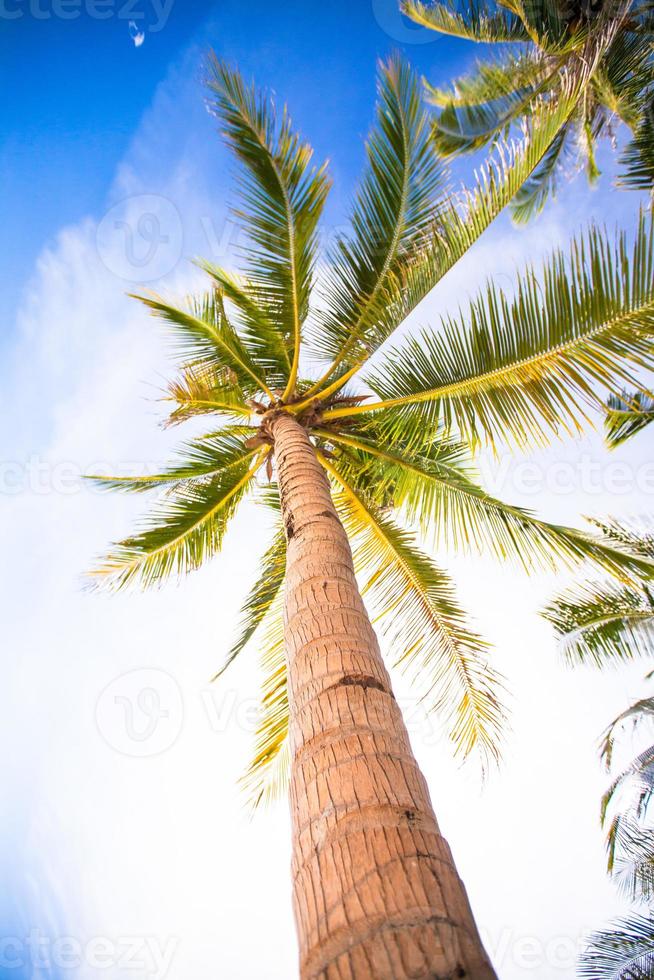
376, 893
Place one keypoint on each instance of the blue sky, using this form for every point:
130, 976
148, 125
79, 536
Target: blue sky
71, 117
100, 845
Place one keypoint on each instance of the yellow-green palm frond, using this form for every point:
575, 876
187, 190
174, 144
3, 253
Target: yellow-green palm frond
187, 527
267, 775
542, 183
261, 598
202, 336
392, 210
201, 390
601, 622
415, 606
506, 93
627, 415
460, 222
473, 20
282, 200
490, 81
258, 330
530, 367
433, 487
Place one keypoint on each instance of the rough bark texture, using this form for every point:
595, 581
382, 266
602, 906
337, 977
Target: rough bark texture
376, 893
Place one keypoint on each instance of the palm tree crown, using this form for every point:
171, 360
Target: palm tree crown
554, 37
397, 447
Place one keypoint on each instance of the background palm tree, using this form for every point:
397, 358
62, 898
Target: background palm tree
362, 470
548, 36
605, 623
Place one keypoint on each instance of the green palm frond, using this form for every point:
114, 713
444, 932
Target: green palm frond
461, 221
416, 609
261, 597
433, 486
631, 858
623, 951
637, 160
623, 80
392, 211
530, 367
600, 622
635, 782
472, 20
638, 538
541, 185
187, 527
200, 390
267, 775
627, 415
202, 335
637, 713
465, 126
260, 334
283, 197
489, 82
609, 42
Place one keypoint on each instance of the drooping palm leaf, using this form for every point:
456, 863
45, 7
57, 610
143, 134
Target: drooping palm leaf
490, 81
187, 527
261, 598
610, 42
426, 629
432, 486
464, 126
267, 775
637, 713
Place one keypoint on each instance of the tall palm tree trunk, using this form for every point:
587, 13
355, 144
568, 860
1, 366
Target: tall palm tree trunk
376, 893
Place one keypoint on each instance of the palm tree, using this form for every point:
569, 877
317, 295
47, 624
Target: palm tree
357, 471
553, 37
604, 623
